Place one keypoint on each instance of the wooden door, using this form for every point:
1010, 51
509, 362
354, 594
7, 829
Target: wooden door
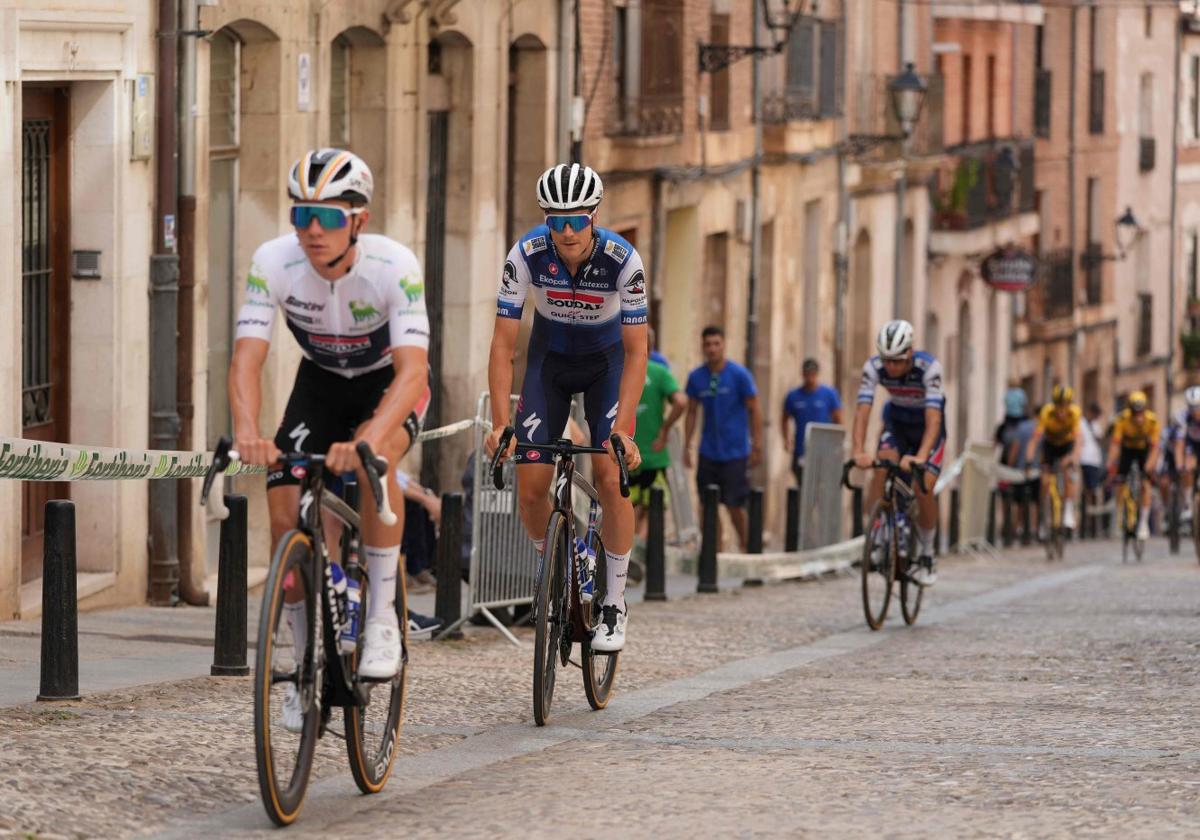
45, 302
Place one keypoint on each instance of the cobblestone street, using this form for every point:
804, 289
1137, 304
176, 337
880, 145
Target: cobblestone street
1030, 700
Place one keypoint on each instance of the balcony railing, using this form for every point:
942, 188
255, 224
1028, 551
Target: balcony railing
1096, 103
648, 116
983, 183
1146, 154
1041, 103
1092, 261
1058, 284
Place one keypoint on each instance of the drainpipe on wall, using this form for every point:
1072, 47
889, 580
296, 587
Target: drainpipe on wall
1070, 176
755, 178
191, 568
1171, 338
566, 77
164, 314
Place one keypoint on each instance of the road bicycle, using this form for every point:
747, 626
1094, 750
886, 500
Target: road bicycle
1129, 507
565, 611
320, 666
1051, 511
889, 544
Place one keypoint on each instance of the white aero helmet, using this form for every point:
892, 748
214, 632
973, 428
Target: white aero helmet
1192, 395
895, 339
325, 174
569, 187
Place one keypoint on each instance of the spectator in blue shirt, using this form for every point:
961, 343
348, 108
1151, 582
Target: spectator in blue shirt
731, 439
655, 355
812, 402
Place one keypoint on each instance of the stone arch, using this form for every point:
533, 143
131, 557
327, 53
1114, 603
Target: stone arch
357, 104
530, 118
858, 311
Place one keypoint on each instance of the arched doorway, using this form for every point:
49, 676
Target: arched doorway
966, 365
358, 106
530, 136
448, 219
858, 313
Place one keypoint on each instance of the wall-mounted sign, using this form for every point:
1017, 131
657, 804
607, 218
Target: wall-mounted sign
1010, 269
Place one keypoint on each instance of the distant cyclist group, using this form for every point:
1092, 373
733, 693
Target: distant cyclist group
355, 304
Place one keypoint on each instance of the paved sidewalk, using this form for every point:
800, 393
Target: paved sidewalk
136, 646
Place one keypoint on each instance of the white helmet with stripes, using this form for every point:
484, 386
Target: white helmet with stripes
327, 174
1192, 395
895, 339
569, 187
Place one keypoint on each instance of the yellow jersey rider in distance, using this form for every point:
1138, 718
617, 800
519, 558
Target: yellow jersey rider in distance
1058, 433
1135, 438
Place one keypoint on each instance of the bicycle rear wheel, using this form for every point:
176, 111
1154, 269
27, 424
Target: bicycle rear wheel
878, 565
373, 729
286, 664
599, 669
1196, 525
551, 615
1174, 507
910, 600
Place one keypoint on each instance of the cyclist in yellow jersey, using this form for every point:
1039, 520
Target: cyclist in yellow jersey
1135, 438
1058, 433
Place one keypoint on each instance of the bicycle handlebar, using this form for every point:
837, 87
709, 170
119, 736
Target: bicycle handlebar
558, 448
498, 459
892, 467
376, 468
619, 451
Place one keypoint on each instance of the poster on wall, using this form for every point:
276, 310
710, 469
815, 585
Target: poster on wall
1009, 269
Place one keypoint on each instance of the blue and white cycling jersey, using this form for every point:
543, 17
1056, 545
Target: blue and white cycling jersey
911, 394
1187, 427
574, 315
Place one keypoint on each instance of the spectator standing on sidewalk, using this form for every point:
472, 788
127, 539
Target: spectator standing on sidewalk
654, 421
731, 439
1091, 457
1012, 437
812, 402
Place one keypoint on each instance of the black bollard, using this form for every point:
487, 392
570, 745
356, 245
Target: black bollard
791, 538
60, 608
954, 529
229, 647
656, 548
856, 515
1084, 520
991, 520
754, 537
710, 498
448, 601
1026, 522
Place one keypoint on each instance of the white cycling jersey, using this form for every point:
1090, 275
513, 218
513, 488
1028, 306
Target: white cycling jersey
347, 326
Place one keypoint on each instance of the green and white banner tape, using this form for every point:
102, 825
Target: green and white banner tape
35, 460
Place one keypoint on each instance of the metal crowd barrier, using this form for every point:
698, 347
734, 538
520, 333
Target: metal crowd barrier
821, 498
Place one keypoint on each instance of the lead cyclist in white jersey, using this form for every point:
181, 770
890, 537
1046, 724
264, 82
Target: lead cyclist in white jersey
355, 304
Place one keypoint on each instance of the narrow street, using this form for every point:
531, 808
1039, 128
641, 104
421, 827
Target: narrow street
1029, 700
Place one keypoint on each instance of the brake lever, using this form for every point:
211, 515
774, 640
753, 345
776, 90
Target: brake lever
376, 468
619, 450
497, 464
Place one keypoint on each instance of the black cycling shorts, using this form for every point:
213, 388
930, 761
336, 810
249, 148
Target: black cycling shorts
326, 408
1052, 453
1128, 456
551, 379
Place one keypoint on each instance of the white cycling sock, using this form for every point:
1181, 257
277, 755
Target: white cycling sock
614, 580
925, 536
1069, 505
298, 624
382, 567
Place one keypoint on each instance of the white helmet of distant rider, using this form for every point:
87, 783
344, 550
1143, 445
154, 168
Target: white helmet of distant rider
895, 339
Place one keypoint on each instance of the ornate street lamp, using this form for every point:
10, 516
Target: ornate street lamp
907, 92
1128, 232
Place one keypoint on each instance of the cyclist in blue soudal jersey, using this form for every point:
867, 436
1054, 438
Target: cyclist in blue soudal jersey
589, 336
1187, 440
913, 431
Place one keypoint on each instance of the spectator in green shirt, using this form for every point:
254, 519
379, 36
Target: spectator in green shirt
660, 392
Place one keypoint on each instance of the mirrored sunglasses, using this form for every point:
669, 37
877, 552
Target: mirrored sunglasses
577, 221
328, 216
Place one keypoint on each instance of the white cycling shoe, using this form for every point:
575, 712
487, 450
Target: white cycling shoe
609, 635
293, 715
381, 648
1143, 531
1069, 519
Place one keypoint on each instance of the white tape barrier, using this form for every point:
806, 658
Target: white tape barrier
35, 460
997, 471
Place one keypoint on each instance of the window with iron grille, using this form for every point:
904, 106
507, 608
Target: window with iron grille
1041, 103
1145, 322
339, 92
828, 104
660, 105
1058, 290
223, 90
720, 80
802, 70
1096, 103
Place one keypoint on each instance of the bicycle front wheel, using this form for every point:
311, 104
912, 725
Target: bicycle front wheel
373, 728
599, 669
878, 565
287, 712
551, 614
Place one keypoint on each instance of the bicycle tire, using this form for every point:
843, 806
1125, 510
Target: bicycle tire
872, 574
292, 564
1196, 526
910, 607
371, 760
599, 669
551, 615
1173, 516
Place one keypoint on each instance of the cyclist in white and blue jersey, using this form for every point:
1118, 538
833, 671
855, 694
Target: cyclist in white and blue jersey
1187, 440
913, 428
589, 336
